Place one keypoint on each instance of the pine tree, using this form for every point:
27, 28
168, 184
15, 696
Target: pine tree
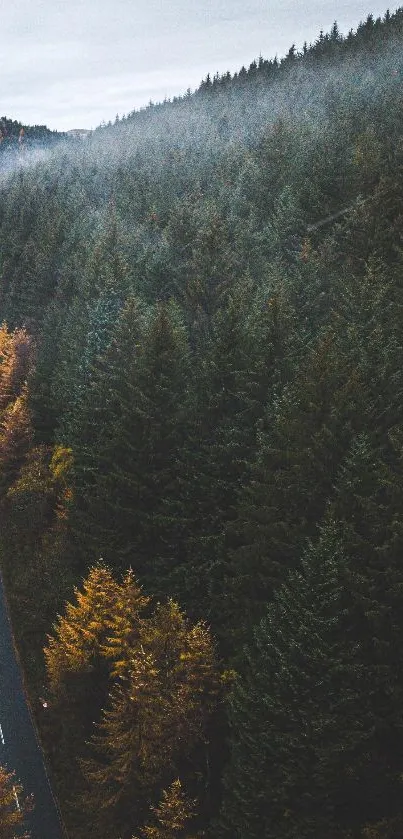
16, 436
137, 475
171, 816
77, 675
12, 817
84, 315
158, 717
16, 353
237, 367
368, 499
303, 439
29, 501
125, 626
300, 714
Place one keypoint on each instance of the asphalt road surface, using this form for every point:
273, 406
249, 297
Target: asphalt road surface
19, 748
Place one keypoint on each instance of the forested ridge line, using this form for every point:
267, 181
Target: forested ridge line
201, 452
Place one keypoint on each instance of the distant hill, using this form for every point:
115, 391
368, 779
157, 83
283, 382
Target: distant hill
78, 133
12, 131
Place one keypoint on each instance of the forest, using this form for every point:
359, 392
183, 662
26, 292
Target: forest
201, 452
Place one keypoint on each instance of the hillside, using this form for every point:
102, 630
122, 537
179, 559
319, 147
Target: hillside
14, 133
201, 385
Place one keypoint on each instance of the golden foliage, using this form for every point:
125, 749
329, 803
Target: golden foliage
385, 829
171, 816
60, 467
164, 685
168, 687
81, 632
11, 816
15, 437
16, 359
125, 625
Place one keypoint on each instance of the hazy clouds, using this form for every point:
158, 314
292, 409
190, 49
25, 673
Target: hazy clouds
72, 64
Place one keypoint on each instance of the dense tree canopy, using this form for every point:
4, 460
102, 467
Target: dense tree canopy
201, 380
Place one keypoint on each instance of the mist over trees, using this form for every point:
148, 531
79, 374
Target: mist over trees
201, 451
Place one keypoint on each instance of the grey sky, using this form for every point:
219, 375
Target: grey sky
74, 63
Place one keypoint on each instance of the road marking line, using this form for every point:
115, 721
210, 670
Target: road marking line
1, 735
16, 798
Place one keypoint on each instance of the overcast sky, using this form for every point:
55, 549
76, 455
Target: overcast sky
73, 63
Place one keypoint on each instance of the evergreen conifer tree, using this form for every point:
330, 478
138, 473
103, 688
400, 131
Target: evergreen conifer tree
303, 439
237, 367
134, 475
300, 714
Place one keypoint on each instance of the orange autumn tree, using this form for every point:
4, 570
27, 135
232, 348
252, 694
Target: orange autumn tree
12, 817
73, 652
34, 512
159, 709
171, 816
98, 625
15, 438
16, 361
34, 497
162, 688
157, 720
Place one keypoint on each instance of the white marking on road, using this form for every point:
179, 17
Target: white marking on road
16, 798
1, 735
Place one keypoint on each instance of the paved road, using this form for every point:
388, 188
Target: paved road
19, 747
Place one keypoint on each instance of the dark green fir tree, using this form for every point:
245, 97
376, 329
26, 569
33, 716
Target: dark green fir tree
301, 718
